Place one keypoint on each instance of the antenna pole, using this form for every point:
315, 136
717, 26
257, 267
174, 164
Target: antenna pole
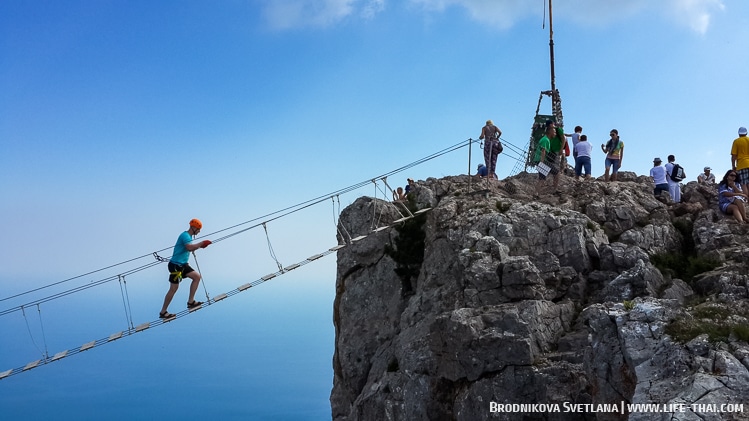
551, 52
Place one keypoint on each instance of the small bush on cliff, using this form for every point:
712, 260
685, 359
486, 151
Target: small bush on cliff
503, 207
678, 265
718, 322
685, 264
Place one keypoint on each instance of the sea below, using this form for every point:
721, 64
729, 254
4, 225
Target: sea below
263, 354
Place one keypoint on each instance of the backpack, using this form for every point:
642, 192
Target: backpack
677, 173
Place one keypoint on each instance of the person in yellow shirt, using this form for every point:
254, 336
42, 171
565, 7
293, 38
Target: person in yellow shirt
740, 156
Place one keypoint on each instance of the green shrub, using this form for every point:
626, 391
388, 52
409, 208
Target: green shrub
503, 207
715, 321
679, 265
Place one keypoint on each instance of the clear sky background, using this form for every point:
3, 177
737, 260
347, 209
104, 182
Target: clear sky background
121, 121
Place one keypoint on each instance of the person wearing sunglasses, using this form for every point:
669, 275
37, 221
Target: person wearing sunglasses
731, 197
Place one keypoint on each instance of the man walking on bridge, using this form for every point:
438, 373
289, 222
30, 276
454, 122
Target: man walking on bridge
178, 267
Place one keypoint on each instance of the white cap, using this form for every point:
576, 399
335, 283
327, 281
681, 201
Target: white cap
742, 130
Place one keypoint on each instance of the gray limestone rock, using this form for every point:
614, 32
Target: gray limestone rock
507, 299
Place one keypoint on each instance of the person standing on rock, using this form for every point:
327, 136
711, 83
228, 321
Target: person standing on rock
557, 146
492, 147
731, 197
614, 150
673, 184
545, 156
658, 174
575, 137
581, 151
740, 156
410, 184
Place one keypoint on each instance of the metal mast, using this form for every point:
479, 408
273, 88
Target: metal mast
551, 48
556, 104
556, 101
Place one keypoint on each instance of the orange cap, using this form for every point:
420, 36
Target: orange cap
196, 223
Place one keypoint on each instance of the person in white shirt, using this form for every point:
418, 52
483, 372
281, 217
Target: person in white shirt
658, 174
581, 151
673, 186
707, 177
575, 136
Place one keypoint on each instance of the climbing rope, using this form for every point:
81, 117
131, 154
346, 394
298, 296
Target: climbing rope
266, 218
45, 359
202, 276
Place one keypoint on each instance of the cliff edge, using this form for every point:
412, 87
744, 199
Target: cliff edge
598, 295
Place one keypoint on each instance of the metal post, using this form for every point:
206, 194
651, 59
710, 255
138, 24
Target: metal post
551, 53
470, 142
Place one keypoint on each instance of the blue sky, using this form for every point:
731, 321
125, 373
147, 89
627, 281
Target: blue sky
121, 121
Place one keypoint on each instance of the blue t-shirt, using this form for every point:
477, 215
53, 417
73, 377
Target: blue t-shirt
483, 171
181, 255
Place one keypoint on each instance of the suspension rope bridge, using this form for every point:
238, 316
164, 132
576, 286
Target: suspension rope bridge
404, 212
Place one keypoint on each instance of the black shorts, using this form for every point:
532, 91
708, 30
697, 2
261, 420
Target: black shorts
177, 272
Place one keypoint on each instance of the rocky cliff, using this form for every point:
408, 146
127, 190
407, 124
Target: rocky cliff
591, 298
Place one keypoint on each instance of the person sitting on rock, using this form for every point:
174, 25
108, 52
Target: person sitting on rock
731, 197
482, 171
706, 177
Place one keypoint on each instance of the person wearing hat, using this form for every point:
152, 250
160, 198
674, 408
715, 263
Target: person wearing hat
179, 268
707, 177
492, 148
740, 156
482, 171
658, 174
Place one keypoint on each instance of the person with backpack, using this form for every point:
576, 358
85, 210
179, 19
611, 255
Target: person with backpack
492, 147
674, 174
